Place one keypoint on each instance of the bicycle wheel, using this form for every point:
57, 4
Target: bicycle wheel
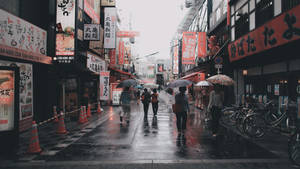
253, 126
229, 118
294, 149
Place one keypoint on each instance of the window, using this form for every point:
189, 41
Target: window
252, 4
264, 12
241, 21
289, 4
277, 8
252, 21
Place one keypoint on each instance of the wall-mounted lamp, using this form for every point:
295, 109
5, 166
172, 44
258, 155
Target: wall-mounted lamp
245, 72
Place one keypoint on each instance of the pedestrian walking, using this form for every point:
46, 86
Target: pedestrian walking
216, 100
181, 99
125, 103
154, 101
138, 96
146, 99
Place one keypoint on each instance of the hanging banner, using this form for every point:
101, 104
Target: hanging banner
112, 56
25, 88
92, 8
65, 20
95, 64
110, 28
108, 2
18, 33
175, 58
104, 85
7, 97
121, 52
188, 47
201, 44
91, 32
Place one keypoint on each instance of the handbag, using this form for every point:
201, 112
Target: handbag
176, 108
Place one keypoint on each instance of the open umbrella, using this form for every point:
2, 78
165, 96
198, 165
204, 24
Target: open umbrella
127, 83
150, 85
139, 87
203, 83
179, 83
221, 80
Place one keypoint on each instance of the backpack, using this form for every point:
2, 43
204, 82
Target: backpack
154, 98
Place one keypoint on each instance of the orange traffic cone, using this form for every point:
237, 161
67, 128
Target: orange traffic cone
89, 111
61, 125
34, 145
81, 116
99, 108
55, 114
85, 115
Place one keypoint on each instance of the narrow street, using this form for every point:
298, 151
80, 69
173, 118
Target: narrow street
154, 144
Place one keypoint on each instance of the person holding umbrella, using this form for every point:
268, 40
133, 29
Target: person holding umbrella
125, 102
146, 99
216, 100
154, 101
181, 99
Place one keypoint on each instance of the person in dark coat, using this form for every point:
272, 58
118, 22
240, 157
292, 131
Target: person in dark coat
146, 99
154, 101
181, 117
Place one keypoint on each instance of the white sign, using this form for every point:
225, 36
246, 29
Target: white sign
65, 16
104, 85
95, 64
218, 66
116, 94
110, 28
18, 33
26, 88
91, 32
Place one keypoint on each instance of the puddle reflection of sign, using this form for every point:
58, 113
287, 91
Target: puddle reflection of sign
6, 100
104, 85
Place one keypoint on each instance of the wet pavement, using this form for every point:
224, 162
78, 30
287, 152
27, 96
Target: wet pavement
156, 139
154, 143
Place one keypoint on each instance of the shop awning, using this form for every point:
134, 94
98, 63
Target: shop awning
195, 77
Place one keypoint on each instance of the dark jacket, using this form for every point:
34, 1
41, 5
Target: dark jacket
182, 100
146, 98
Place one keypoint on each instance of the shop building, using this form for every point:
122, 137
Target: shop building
264, 50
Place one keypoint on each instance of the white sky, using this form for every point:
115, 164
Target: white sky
157, 22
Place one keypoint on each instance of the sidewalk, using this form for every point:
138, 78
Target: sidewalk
51, 142
276, 143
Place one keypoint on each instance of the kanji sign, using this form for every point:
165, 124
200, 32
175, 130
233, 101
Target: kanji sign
188, 47
104, 85
7, 90
110, 28
95, 64
18, 33
281, 30
121, 52
91, 32
175, 58
112, 56
202, 44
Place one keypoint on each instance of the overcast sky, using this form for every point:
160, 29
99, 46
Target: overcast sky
157, 22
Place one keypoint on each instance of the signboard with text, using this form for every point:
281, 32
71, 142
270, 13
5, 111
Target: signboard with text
91, 32
202, 44
104, 85
281, 30
175, 58
110, 20
188, 47
95, 64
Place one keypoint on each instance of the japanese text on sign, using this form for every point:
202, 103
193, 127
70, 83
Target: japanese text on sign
104, 85
91, 32
110, 28
188, 47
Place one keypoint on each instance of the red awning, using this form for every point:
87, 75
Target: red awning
195, 77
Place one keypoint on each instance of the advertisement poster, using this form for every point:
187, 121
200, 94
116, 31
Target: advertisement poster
116, 94
188, 47
104, 85
65, 20
202, 44
26, 89
95, 64
276, 90
18, 33
7, 90
91, 32
175, 58
110, 28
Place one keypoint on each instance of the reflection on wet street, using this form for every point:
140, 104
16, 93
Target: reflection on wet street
157, 138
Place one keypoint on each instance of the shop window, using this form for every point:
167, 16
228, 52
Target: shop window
264, 12
241, 22
252, 21
289, 4
277, 8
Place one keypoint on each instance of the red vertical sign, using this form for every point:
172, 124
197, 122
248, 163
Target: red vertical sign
201, 44
112, 56
121, 52
188, 47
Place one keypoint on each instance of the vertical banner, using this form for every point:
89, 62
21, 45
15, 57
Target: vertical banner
188, 47
175, 58
121, 52
201, 44
110, 28
104, 85
7, 97
65, 20
112, 56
